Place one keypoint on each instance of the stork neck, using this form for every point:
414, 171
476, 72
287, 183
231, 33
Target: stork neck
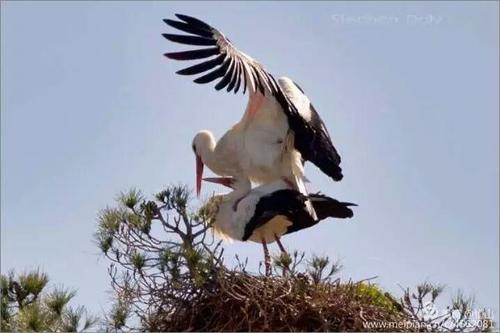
207, 155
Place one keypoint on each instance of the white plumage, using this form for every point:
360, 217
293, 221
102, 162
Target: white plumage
259, 147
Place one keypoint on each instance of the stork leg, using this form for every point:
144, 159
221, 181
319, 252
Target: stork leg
283, 252
267, 258
282, 248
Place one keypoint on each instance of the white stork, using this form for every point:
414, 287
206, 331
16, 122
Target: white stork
270, 211
280, 129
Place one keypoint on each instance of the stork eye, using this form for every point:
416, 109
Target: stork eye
194, 148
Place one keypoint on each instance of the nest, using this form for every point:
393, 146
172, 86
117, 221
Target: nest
243, 302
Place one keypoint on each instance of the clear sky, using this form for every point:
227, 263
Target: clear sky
409, 92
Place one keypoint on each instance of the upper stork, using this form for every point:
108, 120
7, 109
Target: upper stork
280, 128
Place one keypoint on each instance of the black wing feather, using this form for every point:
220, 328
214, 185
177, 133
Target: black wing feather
227, 77
234, 76
188, 28
202, 67
325, 155
189, 40
312, 139
206, 35
193, 54
257, 80
216, 73
238, 77
194, 21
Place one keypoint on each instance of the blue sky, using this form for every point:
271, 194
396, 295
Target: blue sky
409, 92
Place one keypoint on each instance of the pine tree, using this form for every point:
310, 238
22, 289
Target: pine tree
27, 305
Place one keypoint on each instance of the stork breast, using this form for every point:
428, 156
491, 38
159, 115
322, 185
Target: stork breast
264, 137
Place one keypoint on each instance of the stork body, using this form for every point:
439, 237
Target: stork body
269, 211
268, 152
259, 147
273, 210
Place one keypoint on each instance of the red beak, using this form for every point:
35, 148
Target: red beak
226, 181
199, 174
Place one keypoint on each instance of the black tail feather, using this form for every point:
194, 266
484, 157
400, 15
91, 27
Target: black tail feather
327, 207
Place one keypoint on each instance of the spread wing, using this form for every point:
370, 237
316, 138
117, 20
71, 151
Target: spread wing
234, 68
312, 139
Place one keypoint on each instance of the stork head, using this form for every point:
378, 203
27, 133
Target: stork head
203, 148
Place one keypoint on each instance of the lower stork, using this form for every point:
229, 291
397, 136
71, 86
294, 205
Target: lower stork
270, 211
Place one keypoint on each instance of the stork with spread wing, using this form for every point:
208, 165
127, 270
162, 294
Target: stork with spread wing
280, 128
